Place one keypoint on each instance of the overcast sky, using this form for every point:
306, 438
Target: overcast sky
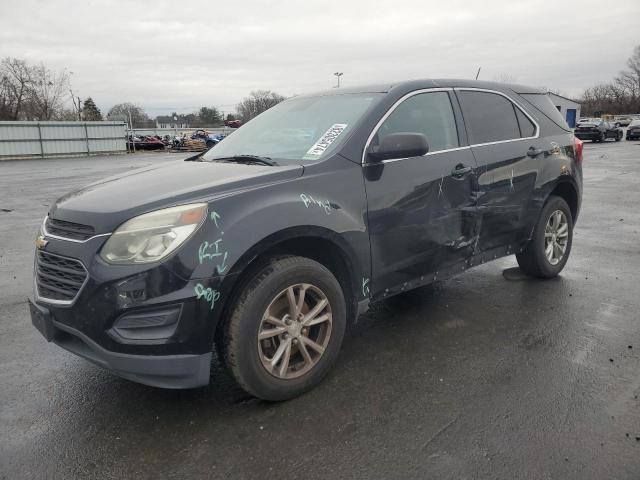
168, 56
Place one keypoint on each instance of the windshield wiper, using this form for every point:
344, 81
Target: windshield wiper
248, 159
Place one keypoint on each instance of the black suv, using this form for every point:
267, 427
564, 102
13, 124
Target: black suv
633, 131
264, 247
597, 130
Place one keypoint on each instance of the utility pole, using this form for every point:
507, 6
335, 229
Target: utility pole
338, 75
77, 107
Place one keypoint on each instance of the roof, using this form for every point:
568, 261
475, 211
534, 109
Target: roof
169, 118
428, 83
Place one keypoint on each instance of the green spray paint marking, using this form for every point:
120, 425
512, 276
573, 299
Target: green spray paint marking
209, 294
365, 286
309, 200
215, 216
211, 251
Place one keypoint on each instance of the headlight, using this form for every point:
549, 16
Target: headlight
153, 236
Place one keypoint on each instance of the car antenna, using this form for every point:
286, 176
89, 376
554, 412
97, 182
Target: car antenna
478, 74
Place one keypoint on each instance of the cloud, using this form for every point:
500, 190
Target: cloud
169, 56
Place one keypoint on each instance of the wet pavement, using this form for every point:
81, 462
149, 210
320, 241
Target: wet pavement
488, 375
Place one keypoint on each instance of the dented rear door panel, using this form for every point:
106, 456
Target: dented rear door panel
506, 182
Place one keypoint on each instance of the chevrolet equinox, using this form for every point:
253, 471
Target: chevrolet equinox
263, 248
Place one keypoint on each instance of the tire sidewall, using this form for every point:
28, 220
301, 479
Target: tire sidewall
547, 269
249, 366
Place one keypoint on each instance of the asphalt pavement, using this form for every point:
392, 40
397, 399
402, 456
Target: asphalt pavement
488, 375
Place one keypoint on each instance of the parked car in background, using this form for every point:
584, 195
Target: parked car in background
204, 136
597, 130
633, 131
622, 120
145, 142
233, 123
263, 248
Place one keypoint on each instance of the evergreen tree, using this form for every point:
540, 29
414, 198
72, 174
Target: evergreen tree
90, 112
209, 116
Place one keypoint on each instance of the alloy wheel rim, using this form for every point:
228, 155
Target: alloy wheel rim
556, 237
294, 331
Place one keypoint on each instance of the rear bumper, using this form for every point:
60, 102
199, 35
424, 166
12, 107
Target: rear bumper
588, 135
164, 371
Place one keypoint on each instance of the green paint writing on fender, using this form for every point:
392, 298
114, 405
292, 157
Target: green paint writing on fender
309, 200
365, 287
209, 294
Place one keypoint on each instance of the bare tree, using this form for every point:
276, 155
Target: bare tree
16, 77
622, 95
46, 92
124, 111
257, 102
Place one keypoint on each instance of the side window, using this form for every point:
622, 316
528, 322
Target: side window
489, 117
527, 128
428, 113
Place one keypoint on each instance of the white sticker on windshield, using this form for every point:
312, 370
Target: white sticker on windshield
318, 148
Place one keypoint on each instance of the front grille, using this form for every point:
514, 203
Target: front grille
58, 278
73, 231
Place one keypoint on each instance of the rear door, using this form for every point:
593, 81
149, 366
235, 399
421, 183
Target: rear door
504, 140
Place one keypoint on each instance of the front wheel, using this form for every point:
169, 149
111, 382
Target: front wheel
548, 249
286, 329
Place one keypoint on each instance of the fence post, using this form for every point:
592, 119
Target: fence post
40, 139
86, 137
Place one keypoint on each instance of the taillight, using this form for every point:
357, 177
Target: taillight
577, 146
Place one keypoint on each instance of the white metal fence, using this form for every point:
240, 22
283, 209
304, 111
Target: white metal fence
53, 139
179, 131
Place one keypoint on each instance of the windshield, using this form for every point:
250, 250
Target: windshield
305, 128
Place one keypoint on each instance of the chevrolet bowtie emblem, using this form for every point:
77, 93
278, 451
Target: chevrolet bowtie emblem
41, 242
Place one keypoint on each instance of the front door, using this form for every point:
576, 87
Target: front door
421, 212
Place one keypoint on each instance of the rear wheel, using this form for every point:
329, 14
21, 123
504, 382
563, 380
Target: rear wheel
548, 250
286, 329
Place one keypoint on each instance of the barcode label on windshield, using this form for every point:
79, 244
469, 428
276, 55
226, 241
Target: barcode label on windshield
325, 141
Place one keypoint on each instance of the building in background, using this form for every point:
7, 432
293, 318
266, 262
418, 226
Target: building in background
570, 109
175, 121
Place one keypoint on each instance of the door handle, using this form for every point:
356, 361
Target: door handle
461, 170
533, 152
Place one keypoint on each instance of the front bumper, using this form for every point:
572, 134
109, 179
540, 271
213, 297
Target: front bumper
165, 371
154, 324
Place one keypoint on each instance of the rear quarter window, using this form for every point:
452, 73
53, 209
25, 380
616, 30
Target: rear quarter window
489, 117
543, 103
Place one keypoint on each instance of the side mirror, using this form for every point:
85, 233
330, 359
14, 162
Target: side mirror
399, 145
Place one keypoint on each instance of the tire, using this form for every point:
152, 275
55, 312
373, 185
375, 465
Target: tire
533, 260
247, 357
603, 137
618, 137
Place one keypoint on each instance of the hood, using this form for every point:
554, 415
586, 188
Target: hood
109, 202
